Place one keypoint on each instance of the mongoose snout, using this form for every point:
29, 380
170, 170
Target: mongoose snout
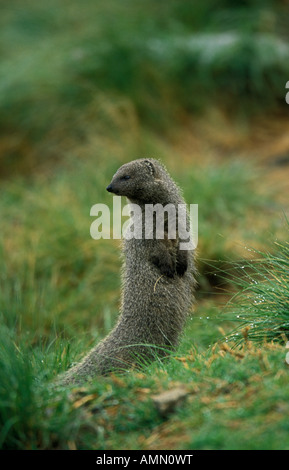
109, 188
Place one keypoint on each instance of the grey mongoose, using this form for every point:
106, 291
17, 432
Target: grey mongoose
158, 280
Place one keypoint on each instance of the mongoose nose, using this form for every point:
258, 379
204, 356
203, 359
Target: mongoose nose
109, 188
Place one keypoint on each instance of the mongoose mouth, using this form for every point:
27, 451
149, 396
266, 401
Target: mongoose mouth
111, 189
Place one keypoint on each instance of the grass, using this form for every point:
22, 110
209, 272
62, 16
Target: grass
262, 305
236, 400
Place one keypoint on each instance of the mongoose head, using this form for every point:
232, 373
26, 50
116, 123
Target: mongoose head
140, 181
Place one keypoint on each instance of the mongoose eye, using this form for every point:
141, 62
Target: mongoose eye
125, 177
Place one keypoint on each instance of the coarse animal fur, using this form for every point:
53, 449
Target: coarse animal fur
157, 281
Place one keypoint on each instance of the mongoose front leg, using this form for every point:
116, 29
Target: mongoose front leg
163, 258
168, 260
182, 262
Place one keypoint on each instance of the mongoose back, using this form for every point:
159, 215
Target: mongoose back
157, 279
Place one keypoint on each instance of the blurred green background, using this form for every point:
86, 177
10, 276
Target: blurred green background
87, 86
97, 75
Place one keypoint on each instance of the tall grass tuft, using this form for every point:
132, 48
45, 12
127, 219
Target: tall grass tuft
261, 308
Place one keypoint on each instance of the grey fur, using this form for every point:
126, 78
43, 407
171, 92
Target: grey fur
157, 282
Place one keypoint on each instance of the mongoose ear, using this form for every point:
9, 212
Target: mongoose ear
150, 166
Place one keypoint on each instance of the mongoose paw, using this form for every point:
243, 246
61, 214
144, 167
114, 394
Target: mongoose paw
167, 271
181, 269
165, 265
182, 262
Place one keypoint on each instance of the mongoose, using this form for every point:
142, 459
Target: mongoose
157, 280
